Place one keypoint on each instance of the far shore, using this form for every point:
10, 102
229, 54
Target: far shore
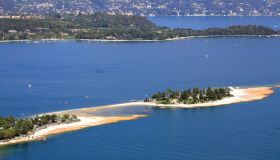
88, 120
134, 40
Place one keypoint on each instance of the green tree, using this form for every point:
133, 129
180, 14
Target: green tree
65, 118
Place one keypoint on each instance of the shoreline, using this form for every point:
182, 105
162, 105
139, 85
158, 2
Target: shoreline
135, 40
239, 95
53, 129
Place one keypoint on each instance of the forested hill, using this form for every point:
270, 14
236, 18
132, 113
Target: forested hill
108, 27
59, 22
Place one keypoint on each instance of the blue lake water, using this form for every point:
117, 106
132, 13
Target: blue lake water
217, 21
62, 74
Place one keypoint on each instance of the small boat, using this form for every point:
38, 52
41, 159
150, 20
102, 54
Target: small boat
42, 138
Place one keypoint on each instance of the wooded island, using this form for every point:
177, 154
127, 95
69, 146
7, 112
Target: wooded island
190, 96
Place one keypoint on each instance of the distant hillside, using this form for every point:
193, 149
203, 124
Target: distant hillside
143, 7
102, 26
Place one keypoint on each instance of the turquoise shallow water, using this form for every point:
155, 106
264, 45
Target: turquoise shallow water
63, 74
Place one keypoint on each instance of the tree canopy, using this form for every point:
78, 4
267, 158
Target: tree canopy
11, 127
190, 96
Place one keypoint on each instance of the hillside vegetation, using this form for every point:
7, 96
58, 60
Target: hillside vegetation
109, 27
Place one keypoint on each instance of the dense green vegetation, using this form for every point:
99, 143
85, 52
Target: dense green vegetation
190, 96
11, 127
110, 27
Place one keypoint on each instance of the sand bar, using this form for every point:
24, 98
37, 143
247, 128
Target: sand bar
85, 122
239, 95
88, 120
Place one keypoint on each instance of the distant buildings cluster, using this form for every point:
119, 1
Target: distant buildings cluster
144, 7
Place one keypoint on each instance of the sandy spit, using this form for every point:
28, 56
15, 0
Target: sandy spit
87, 120
239, 95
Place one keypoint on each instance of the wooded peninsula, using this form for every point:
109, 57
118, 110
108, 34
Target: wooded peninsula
11, 127
101, 26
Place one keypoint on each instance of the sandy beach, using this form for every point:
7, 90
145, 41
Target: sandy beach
85, 122
238, 95
88, 120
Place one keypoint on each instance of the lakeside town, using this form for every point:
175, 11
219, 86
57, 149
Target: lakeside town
143, 7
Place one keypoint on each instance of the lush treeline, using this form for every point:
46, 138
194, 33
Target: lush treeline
65, 22
11, 127
163, 33
227, 31
118, 34
110, 27
190, 96
101, 20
